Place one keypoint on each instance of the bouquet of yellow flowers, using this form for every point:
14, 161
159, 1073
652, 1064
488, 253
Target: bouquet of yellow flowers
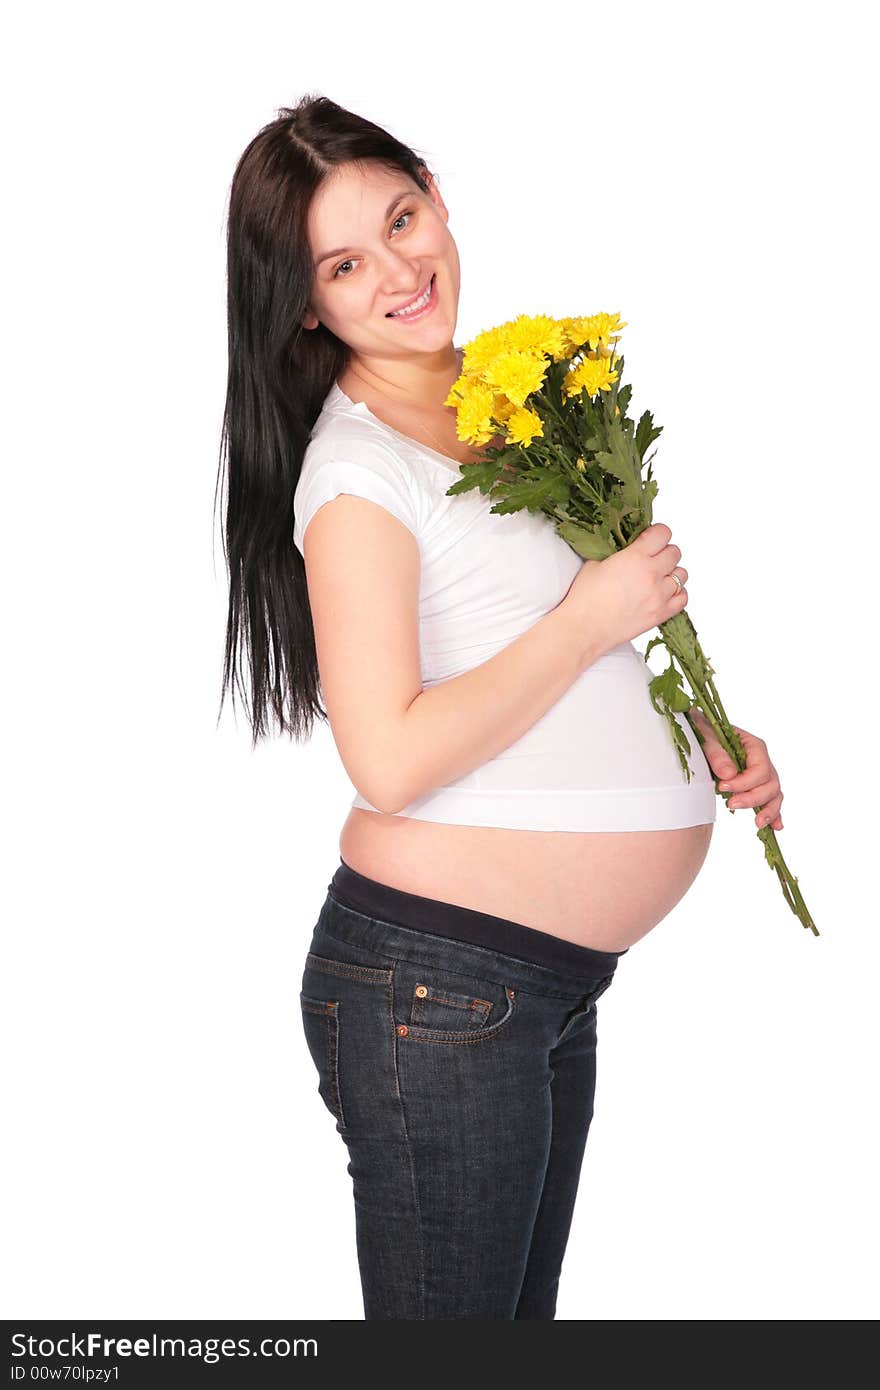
551, 388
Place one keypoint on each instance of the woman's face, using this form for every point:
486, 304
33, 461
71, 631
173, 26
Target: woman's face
388, 240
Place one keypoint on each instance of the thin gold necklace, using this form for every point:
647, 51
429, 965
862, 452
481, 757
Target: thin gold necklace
424, 426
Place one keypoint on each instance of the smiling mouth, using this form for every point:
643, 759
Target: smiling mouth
416, 305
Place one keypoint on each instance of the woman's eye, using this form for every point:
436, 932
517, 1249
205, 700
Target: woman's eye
397, 219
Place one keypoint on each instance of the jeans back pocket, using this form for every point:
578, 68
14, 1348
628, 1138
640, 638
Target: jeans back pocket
321, 1026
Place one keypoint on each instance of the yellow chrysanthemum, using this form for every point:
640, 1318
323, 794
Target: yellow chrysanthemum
605, 329
523, 426
600, 331
506, 364
516, 374
483, 349
594, 375
576, 331
538, 334
502, 409
474, 402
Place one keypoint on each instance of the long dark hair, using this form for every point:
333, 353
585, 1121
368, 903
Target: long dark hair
279, 375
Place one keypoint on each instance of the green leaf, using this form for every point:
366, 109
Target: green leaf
482, 475
543, 489
646, 433
615, 508
649, 492
668, 685
669, 699
589, 543
618, 460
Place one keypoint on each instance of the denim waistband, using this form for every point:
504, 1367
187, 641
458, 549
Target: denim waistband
465, 924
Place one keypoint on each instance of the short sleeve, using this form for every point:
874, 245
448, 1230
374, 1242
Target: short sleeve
372, 475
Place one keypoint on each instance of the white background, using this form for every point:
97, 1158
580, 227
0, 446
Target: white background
706, 172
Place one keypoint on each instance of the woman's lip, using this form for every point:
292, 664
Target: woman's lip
394, 313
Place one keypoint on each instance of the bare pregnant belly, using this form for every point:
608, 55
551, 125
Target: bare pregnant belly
604, 889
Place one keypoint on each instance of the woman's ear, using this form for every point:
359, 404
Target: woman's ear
434, 192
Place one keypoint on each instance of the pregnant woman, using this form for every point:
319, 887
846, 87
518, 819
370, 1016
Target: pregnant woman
521, 818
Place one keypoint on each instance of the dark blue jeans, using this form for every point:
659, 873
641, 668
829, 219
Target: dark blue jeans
461, 1078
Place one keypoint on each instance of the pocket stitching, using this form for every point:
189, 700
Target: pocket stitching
474, 1005
330, 1009
370, 974
333, 1057
417, 1033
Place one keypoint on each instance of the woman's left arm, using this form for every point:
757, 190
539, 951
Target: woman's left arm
756, 785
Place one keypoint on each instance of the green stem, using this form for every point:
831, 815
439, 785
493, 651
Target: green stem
680, 638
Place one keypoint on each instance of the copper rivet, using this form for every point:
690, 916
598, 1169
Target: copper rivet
403, 1030
421, 990
511, 993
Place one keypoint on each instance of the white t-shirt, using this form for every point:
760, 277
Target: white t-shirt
601, 757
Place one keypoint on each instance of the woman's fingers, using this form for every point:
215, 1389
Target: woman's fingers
756, 786
757, 796
750, 777
769, 813
768, 798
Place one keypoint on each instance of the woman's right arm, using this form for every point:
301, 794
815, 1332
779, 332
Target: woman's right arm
398, 741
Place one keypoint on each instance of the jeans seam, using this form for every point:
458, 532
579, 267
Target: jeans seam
333, 1059
409, 1147
368, 973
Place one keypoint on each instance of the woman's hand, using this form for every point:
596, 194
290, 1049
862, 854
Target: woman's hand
757, 785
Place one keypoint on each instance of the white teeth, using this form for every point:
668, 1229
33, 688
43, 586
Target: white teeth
419, 304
